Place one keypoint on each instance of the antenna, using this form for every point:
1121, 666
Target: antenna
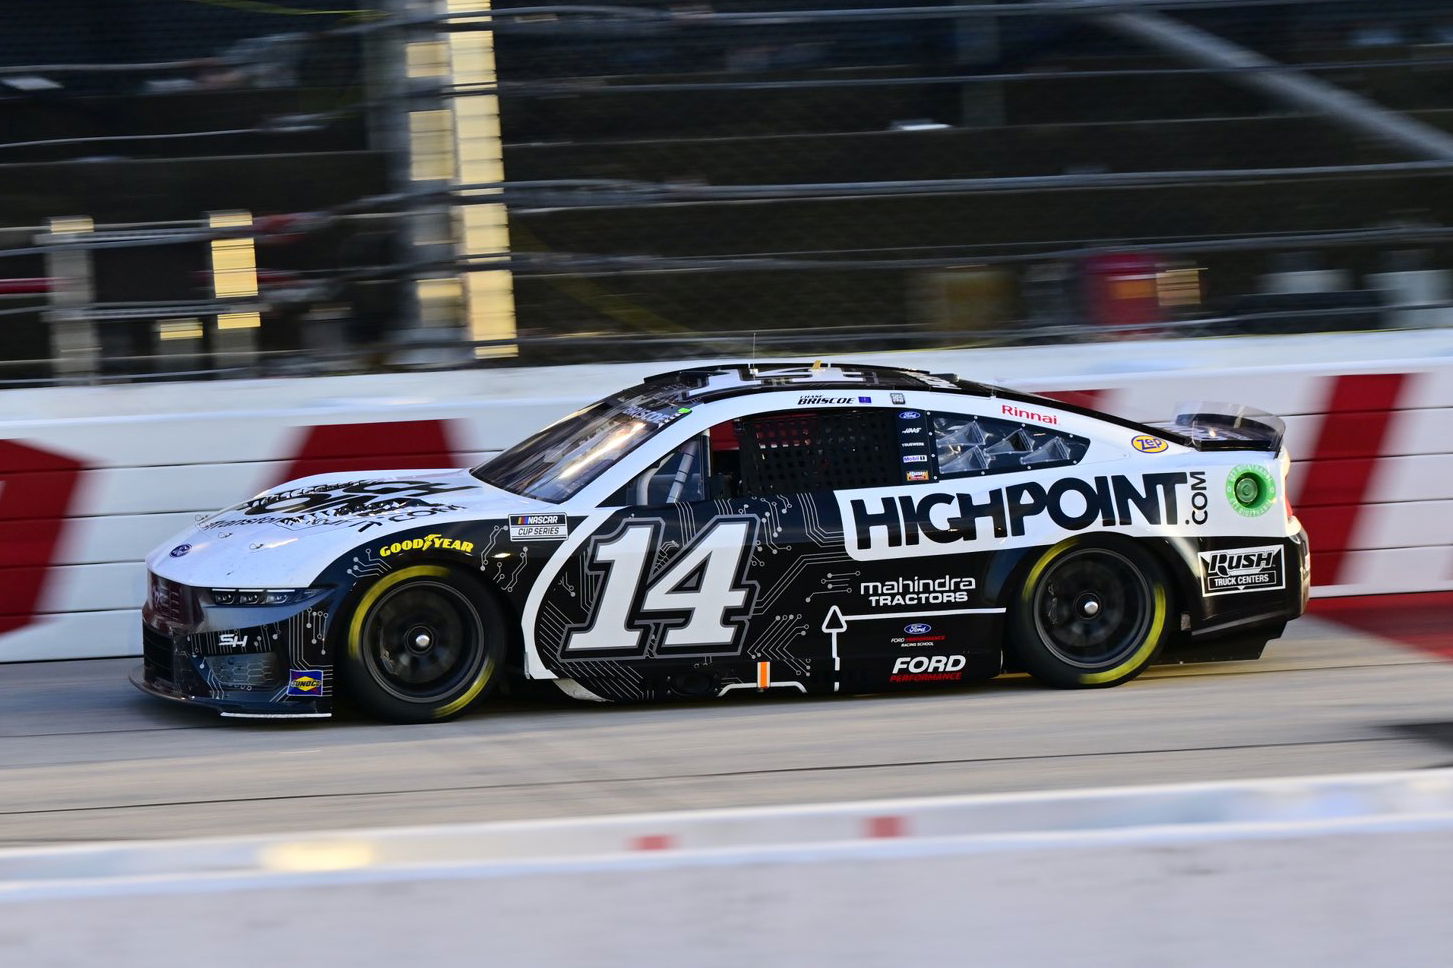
752, 369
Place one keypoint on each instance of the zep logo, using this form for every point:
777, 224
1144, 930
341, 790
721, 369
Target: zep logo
1148, 445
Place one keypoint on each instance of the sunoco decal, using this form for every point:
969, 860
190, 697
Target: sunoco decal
539, 527
305, 682
1242, 570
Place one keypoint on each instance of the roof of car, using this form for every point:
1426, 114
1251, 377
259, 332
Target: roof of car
702, 384
705, 383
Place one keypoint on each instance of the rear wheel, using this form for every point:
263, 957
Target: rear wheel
423, 644
1090, 614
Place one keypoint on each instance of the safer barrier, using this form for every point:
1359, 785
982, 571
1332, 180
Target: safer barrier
1307, 871
93, 477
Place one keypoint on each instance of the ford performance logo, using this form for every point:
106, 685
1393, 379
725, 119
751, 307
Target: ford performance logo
909, 415
180, 550
917, 628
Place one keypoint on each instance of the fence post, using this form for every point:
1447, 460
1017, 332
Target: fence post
234, 276
73, 342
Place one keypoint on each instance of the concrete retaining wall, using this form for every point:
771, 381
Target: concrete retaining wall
93, 477
1343, 870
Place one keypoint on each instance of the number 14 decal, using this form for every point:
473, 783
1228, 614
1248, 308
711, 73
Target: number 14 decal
702, 598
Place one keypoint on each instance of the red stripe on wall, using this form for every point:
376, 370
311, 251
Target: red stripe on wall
1358, 417
343, 448
1076, 398
43, 498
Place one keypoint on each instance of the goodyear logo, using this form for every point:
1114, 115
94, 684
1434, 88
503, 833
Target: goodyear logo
305, 682
1148, 445
425, 543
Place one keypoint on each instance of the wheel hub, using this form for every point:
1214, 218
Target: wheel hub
419, 640
1088, 606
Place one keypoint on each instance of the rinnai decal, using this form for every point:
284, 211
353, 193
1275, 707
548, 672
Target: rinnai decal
928, 668
539, 527
879, 526
1242, 570
425, 543
1019, 413
900, 592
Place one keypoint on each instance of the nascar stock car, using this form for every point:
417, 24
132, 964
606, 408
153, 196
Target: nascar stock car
765, 528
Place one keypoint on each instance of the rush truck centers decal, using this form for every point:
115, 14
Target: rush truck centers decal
1242, 570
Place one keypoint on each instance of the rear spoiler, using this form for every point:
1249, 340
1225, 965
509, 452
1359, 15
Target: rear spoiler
1223, 426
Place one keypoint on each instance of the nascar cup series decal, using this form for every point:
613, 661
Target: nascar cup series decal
539, 527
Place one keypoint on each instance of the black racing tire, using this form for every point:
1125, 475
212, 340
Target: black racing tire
422, 645
1090, 613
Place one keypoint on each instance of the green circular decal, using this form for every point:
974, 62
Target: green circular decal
1250, 489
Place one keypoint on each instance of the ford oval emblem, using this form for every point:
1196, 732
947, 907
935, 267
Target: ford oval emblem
917, 628
909, 415
180, 550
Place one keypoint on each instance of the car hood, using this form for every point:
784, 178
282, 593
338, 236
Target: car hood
284, 537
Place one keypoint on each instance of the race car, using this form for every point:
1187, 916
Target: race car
782, 528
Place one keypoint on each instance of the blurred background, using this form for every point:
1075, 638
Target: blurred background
230, 187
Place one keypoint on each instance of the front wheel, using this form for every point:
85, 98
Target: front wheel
423, 643
1090, 614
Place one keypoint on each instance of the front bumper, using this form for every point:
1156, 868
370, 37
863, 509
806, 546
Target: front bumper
230, 707
277, 668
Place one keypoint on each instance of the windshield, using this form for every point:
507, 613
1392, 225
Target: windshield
567, 455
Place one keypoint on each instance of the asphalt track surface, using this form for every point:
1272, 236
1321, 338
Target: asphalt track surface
83, 756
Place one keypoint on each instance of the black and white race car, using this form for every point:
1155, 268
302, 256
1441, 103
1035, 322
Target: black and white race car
740, 528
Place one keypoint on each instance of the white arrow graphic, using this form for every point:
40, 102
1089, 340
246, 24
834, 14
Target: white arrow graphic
836, 622
832, 625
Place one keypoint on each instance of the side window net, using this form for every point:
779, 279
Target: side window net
818, 450
967, 445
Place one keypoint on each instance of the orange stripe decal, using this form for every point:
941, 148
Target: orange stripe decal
764, 675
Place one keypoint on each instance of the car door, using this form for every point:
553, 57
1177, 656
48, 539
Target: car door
715, 570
